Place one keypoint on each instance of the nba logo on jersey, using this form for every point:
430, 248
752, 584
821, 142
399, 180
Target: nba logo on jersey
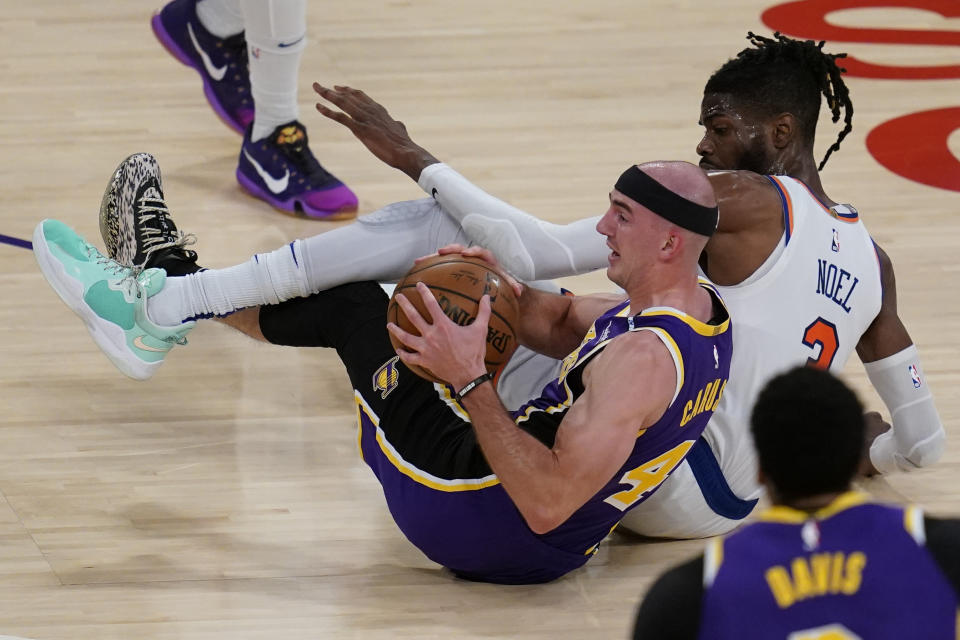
915, 376
810, 534
836, 242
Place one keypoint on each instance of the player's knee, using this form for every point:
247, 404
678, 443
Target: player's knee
402, 214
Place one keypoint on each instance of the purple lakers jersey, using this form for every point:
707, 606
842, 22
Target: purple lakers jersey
852, 570
452, 506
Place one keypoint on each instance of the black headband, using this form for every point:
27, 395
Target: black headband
638, 186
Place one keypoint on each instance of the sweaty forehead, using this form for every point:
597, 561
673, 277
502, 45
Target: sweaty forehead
716, 104
728, 105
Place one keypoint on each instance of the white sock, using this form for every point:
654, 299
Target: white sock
267, 278
222, 18
380, 246
276, 33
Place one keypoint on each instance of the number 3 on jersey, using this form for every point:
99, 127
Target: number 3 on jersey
823, 333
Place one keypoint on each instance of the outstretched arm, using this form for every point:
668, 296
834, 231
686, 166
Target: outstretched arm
893, 365
529, 247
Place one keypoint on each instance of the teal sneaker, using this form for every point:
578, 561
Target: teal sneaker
110, 299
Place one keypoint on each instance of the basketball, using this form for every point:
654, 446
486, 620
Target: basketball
458, 283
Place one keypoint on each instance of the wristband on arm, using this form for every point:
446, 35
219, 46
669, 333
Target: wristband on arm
917, 437
473, 384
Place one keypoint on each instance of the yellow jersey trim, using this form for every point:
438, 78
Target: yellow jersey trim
712, 559
913, 523
360, 427
789, 515
411, 471
592, 550
702, 328
445, 393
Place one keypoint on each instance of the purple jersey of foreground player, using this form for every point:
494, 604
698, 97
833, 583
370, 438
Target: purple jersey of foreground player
852, 570
470, 525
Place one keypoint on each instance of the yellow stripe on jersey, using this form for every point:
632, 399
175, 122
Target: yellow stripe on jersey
572, 360
913, 523
569, 362
447, 396
789, 515
554, 408
702, 328
360, 407
412, 472
712, 559
596, 547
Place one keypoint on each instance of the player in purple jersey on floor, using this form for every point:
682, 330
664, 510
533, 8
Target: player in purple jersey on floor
499, 497
824, 562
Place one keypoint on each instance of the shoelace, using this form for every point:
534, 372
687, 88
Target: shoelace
129, 283
155, 236
308, 164
111, 266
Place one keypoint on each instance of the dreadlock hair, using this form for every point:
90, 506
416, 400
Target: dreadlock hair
781, 74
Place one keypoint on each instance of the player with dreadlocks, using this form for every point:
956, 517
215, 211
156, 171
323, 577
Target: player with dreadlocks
801, 275
783, 75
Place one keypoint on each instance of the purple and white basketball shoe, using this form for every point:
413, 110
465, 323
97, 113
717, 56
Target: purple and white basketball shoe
221, 62
282, 170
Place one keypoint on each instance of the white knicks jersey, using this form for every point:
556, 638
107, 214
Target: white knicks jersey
809, 303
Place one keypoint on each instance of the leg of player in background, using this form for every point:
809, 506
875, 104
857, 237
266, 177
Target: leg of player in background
254, 91
276, 164
207, 35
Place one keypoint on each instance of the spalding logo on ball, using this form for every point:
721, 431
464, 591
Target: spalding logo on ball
458, 283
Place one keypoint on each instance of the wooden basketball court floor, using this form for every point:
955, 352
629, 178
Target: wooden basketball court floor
225, 498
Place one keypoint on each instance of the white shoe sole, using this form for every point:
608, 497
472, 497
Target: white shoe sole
111, 339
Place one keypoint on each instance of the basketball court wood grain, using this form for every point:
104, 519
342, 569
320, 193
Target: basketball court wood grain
226, 499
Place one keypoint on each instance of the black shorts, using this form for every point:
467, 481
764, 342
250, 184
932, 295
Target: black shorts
419, 423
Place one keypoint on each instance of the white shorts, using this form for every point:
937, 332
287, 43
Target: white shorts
677, 510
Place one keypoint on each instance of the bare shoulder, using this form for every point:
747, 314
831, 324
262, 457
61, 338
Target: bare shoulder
886, 266
746, 199
585, 309
729, 178
638, 365
887, 334
637, 345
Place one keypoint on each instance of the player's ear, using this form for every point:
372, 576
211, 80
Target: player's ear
671, 244
784, 130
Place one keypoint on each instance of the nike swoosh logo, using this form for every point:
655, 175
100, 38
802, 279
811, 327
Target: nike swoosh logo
276, 185
283, 45
139, 344
215, 73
